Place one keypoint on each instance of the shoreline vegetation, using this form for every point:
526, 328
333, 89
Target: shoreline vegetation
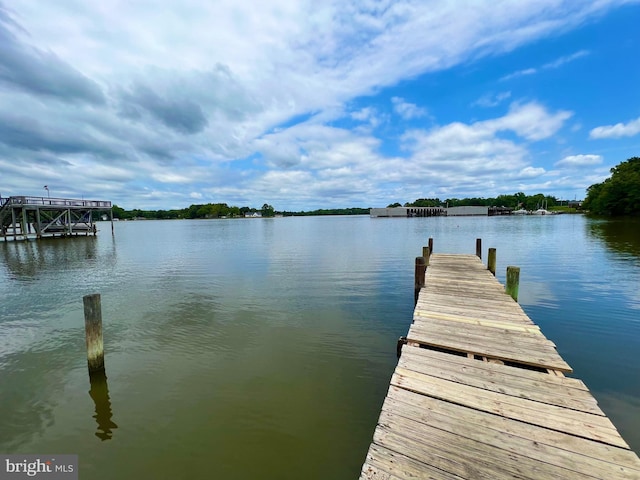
223, 210
618, 195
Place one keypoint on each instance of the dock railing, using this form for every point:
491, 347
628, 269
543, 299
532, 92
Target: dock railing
57, 202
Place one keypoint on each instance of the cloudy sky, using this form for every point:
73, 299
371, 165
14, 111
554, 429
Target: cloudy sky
312, 104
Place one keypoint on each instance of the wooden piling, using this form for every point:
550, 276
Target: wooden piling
13, 223
491, 261
421, 269
479, 247
430, 245
426, 254
513, 282
93, 331
401, 341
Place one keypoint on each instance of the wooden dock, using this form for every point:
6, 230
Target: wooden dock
25, 217
480, 393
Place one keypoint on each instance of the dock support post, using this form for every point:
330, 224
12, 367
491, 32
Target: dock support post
479, 247
401, 341
93, 331
38, 224
421, 268
491, 261
111, 215
513, 282
13, 222
430, 245
26, 228
426, 253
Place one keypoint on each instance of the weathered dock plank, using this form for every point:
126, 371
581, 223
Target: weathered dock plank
477, 393
466, 420
537, 386
545, 415
505, 349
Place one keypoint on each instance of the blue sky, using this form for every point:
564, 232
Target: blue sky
314, 104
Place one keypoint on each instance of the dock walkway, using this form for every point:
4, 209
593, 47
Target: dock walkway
480, 393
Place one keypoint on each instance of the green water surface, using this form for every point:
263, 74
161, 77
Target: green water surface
263, 348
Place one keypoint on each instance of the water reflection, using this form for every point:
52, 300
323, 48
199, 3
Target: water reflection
28, 260
99, 392
621, 235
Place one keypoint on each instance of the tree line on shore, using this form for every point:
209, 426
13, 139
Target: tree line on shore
515, 201
208, 210
222, 210
618, 195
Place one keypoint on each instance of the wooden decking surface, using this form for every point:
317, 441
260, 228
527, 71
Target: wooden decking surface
480, 393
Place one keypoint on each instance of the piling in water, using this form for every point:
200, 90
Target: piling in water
430, 245
513, 282
491, 261
479, 247
93, 331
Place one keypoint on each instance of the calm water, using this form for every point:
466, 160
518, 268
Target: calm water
242, 349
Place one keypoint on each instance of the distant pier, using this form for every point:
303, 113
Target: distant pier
25, 217
480, 393
467, 211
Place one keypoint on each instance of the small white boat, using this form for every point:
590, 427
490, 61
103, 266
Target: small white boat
521, 211
541, 211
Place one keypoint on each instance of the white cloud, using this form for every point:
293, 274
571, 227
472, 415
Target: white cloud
576, 161
530, 121
368, 115
338, 165
165, 177
566, 59
491, 100
407, 110
531, 172
519, 73
616, 131
363, 114
547, 66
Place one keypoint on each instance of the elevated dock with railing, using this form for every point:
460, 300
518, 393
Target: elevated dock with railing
25, 217
480, 393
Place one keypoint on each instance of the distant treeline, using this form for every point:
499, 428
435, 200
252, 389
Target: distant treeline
516, 201
209, 210
222, 210
330, 211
